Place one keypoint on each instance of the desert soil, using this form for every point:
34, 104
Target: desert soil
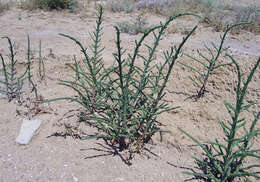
68, 159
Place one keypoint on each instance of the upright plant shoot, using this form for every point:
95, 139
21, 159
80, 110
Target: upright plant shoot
12, 82
124, 99
208, 63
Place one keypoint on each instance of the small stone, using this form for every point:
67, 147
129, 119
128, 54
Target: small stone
120, 179
2, 96
27, 130
75, 179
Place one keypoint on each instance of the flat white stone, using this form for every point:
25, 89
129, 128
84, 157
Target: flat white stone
27, 130
75, 179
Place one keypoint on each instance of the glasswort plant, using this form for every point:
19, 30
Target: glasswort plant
209, 64
41, 66
225, 162
123, 100
12, 82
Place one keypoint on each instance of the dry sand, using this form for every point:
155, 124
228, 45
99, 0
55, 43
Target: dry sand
67, 159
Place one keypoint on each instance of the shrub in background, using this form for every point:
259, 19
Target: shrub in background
49, 4
4, 5
248, 14
126, 6
139, 26
174, 7
220, 16
215, 13
157, 6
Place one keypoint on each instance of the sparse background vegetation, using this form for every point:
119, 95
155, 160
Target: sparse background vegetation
126, 6
49, 4
215, 13
4, 5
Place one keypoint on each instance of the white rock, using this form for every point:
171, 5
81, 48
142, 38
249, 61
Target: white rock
27, 130
2, 95
75, 179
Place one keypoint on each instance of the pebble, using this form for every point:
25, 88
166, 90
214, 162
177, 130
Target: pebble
27, 130
75, 179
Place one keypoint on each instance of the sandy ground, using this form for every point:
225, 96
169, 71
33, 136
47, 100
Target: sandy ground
67, 159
